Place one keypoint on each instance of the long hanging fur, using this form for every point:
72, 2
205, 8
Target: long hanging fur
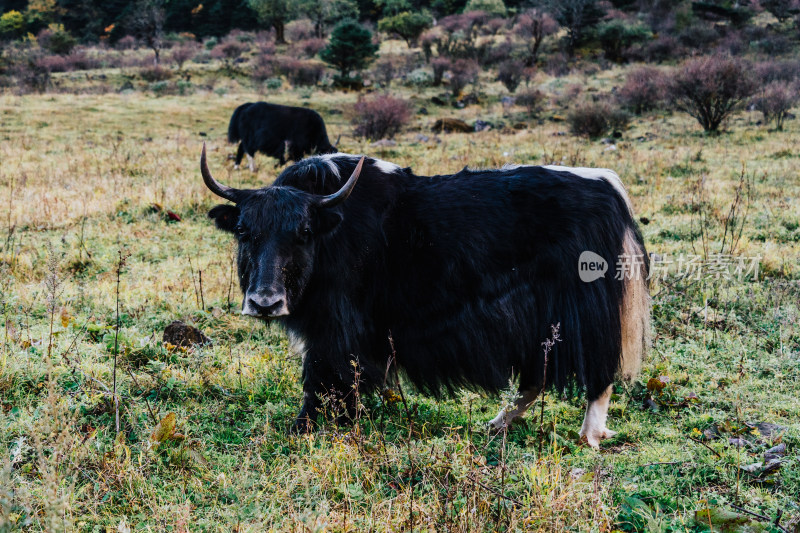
467, 273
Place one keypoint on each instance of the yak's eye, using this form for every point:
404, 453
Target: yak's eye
241, 232
305, 234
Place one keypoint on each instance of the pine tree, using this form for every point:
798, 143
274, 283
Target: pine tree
350, 48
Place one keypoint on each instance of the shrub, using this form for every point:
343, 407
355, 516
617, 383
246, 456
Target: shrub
645, 89
381, 117
510, 74
663, 48
263, 69
440, 65
210, 43
776, 100
228, 52
56, 40
782, 10
711, 88
491, 7
531, 100
419, 77
300, 30
77, 60
698, 37
787, 70
159, 87
385, 69
155, 73
182, 53
301, 71
596, 118
126, 43
308, 47
463, 72
616, 35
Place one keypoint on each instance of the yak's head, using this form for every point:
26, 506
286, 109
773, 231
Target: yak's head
277, 228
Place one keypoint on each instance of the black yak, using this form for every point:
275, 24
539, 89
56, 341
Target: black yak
277, 130
456, 279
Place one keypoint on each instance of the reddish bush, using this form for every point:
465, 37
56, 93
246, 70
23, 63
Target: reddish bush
440, 65
228, 52
596, 118
645, 88
663, 48
126, 43
263, 68
531, 100
301, 71
308, 47
155, 73
510, 74
711, 88
381, 117
494, 25
788, 70
183, 53
463, 72
776, 100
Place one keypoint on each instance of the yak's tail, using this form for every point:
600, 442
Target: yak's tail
635, 311
233, 127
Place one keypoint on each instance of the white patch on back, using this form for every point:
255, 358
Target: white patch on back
596, 174
384, 166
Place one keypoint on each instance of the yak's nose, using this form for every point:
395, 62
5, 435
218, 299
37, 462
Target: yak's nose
265, 306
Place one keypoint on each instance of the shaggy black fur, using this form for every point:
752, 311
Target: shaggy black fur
467, 272
272, 129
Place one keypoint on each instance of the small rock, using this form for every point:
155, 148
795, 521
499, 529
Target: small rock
422, 138
507, 101
611, 148
202, 134
520, 126
644, 221
423, 111
181, 334
739, 442
481, 125
438, 101
776, 452
769, 431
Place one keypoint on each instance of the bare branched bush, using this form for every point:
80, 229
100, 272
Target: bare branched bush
531, 28
776, 100
308, 47
463, 72
301, 72
645, 89
531, 100
155, 73
126, 43
440, 66
711, 88
183, 53
786, 70
381, 117
595, 119
510, 73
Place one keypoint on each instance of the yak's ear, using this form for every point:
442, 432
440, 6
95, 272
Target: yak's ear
326, 220
225, 216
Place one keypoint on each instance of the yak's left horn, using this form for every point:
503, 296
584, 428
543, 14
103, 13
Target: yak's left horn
229, 193
341, 195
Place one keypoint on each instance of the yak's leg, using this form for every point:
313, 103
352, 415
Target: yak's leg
251, 162
239, 156
594, 423
506, 416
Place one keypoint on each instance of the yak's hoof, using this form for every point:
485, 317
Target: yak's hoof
593, 437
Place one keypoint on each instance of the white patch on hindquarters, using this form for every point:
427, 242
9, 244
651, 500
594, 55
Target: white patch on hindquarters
594, 427
384, 166
509, 413
635, 311
597, 174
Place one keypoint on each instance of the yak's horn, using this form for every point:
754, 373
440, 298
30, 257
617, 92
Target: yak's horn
341, 195
216, 187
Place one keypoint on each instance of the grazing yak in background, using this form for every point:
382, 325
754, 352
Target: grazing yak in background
455, 279
274, 130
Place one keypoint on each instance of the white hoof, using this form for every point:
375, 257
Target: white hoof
592, 437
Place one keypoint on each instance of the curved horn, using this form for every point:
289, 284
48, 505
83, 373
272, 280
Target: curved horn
216, 187
341, 195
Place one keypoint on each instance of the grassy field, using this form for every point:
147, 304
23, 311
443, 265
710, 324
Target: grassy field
85, 185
